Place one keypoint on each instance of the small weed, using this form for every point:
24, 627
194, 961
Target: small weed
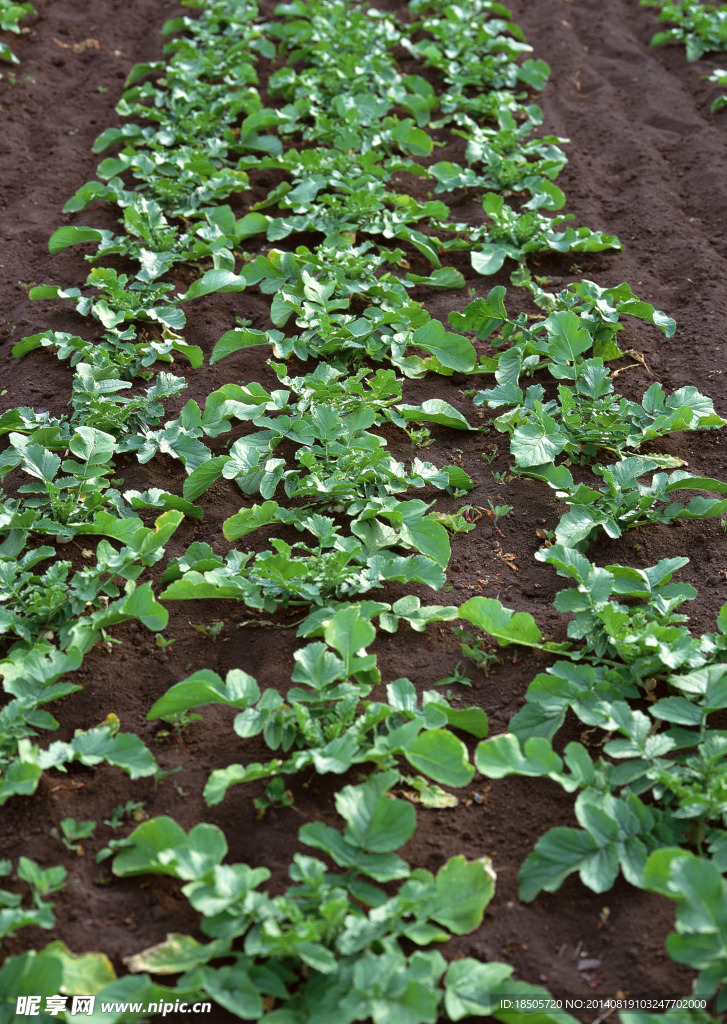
177, 723
498, 512
461, 521
492, 455
133, 810
457, 676
276, 795
71, 832
473, 648
211, 630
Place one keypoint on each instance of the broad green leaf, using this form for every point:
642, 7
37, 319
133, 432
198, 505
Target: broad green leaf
464, 889
233, 341
426, 246
483, 315
435, 410
176, 954
140, 604
470, 987
536, 443
122, 749
249, 519
93, 446
19, 779
501, 756
440, 756
678, 710
7, 54
349, 632
443, 277
70, 235
249, 225
375, 822
215, 281
315, 666
49, 971
469, 720
430, 538
567, 339
161, 846
85, 972
221, 779
506, 626
233, 989
205, 687
451, 350
202, 478
488, 259
39, 462
556, 855
382, 867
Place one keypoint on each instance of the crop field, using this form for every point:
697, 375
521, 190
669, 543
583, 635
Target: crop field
363, 511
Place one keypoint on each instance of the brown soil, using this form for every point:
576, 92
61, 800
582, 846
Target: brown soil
645, 164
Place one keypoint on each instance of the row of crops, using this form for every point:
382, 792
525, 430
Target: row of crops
328, 516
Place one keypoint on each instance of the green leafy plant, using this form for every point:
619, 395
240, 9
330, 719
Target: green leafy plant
477, 650
326, 721
623, 503
24, 763
336, 566
335, 949
72, 498
701, 27
42, 883
498, 512
517, 235
211, 629
700, 940
275, 795
719, 75
11, 14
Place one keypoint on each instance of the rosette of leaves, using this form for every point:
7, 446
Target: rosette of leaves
299, 574
623, 502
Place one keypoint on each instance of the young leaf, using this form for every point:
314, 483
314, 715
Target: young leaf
507, 626
441, 756
464, 889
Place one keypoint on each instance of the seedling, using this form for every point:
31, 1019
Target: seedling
72, 832
461, 521
276, 795
457, 676
212, 630
498, 512
42, 883
133, 810
178, 722
474, 648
